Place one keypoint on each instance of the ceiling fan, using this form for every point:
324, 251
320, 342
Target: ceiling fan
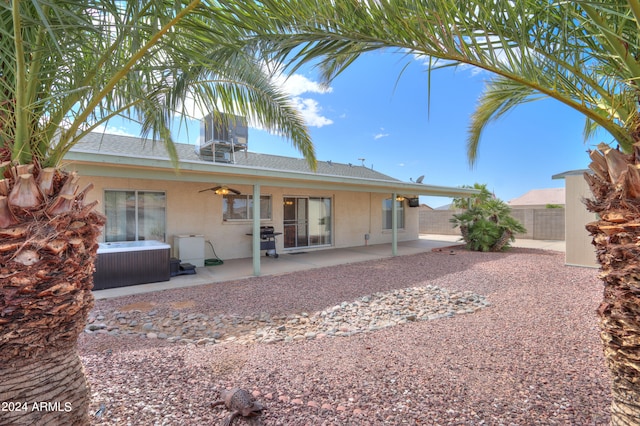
222, 190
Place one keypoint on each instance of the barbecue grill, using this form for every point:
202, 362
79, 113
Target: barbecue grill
268, 240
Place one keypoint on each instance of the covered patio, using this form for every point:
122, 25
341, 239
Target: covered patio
335, 206
244, 268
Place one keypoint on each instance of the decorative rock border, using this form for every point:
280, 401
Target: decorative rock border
366, 314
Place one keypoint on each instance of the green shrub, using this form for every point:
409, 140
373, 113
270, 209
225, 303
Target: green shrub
488, 225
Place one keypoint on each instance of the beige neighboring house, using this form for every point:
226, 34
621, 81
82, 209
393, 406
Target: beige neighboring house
336, 206
539, 198
579, 250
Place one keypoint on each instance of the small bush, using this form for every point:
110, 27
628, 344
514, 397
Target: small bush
488, 225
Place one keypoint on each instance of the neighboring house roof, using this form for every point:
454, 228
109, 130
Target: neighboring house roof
579, 172
125, 156
538, 197
445, 207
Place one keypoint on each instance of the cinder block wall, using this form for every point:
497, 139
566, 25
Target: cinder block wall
437, 222
541, 224
549, 224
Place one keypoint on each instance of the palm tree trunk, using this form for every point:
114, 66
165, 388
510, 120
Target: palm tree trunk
615, 185
502, 241
51, 391
48, 243
464, 231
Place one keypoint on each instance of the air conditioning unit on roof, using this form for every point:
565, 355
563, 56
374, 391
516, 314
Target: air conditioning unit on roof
222, 135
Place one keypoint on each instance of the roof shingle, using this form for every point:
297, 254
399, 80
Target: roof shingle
128, 146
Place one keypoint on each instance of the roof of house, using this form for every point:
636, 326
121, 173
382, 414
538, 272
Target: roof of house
132, 146
125, 156
537, 197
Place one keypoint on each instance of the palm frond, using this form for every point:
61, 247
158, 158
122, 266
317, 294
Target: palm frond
75, 64
499, 97
581, 53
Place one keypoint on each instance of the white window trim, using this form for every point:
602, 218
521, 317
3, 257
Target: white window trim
401, 211
136, 191
269, 219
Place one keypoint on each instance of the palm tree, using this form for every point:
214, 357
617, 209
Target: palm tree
583, 53
67, 67
466, 202
487, 225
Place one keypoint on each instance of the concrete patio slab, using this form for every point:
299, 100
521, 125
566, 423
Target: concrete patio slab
290, 262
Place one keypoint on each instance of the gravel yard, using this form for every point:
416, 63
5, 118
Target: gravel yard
515, 342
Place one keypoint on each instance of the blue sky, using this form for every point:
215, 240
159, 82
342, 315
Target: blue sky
372, 112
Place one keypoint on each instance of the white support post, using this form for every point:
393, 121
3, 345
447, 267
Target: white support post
256, 230
394, 225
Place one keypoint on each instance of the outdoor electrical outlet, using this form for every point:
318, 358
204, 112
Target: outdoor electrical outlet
366, 237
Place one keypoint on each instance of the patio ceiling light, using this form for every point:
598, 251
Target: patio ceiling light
222, 190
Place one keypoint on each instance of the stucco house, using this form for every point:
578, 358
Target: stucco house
338, 205
579, 250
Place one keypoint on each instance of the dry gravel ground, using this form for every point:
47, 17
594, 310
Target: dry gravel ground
531, 358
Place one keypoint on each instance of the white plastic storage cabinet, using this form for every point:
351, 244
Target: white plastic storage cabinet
189, 249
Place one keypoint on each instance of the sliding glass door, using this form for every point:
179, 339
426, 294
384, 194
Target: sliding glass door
296, 222
307, 221
319, 221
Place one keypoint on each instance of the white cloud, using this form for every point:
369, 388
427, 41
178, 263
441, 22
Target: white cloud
114, 130
381, 134
298, 84
310, 110
471, 68
495, 56
294, 85
435, 62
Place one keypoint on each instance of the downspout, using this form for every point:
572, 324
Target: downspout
256, 230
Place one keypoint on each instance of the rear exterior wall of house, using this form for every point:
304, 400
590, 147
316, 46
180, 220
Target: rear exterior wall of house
190, 212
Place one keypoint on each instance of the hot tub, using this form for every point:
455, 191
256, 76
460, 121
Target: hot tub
121, 264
